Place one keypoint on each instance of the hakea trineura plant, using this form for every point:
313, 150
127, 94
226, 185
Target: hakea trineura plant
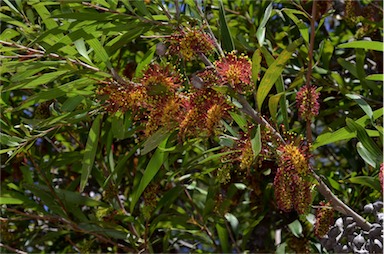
308, 102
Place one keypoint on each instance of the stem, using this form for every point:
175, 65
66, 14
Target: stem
309, 72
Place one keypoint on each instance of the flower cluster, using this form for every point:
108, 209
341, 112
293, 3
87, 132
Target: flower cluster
292, 188
123, 97
154, 100
190, 42
324, 219
203, 110
236, 72
308, 102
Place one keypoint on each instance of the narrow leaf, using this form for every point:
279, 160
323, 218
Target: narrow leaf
369, 181
260, 33
151, 170
344, 134
274, 72
256, 65
90, 151
368, 45
223, 238
375, 77
256, 143
362, 103
226, 38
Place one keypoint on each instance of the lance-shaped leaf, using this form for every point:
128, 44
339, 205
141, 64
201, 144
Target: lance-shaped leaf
373, 45
274, 71
90, 151
151, 170
226, 37
260, 33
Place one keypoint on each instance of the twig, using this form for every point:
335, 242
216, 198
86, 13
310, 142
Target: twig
217, 45
12, 249
204, 227
52, 55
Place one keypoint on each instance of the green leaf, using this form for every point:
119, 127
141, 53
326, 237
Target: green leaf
147, 58
369, 181
223, 237
279, 87
273, 103
11, 141
256, 66
260, 33
346, 134
90, 151
142, 8
366, 155
71, 103
240, 120
100, 51
151, 170
303, 27
364, 138
10, 201
233, 221
296, 228
274, 71
375, 77
368, 45
256, 143
226, 37
81, 48
362, 103
155, 140
37, 80
327, 53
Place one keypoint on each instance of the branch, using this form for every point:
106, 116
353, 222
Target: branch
338, 205
41, 53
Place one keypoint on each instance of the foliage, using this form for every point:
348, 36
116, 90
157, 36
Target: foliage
186, 126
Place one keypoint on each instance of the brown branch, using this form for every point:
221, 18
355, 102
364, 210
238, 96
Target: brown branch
12, 249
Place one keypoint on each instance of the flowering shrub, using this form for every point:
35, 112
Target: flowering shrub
144, 126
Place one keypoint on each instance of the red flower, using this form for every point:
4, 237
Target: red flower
235, 71
308, 102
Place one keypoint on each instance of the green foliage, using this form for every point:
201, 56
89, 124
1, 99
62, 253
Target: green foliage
80, 177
